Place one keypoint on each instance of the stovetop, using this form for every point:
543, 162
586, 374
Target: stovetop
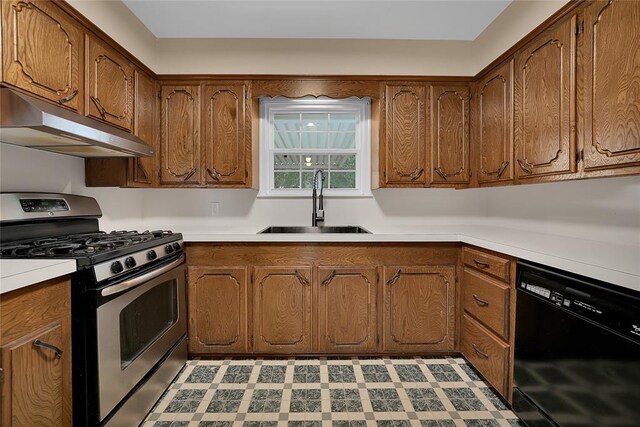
88, 248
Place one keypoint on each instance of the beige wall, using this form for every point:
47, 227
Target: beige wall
273, 56
115, 19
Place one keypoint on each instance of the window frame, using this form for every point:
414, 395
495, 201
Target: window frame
271, 106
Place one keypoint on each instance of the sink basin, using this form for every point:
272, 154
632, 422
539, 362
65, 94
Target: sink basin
328, 229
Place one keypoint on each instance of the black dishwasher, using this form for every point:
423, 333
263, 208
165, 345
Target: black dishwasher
577, 350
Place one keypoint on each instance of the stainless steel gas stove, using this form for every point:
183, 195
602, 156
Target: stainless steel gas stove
128, 301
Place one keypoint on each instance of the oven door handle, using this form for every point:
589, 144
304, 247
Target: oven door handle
128, 284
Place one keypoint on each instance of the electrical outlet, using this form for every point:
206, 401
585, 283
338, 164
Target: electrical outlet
215, 208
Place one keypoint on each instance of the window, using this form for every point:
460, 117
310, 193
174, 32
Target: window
300, 136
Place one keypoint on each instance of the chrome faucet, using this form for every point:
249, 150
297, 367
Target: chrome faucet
317, 216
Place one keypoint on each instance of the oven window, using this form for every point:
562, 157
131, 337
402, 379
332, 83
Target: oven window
146, 318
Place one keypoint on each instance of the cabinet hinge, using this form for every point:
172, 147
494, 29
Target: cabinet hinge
580, 28
1, 376
470, 173
579, 155
246, 174
251, 279
377, 276
159, 95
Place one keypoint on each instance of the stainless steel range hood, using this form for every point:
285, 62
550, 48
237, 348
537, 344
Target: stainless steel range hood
31, 122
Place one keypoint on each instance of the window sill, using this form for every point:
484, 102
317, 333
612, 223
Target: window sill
307, 195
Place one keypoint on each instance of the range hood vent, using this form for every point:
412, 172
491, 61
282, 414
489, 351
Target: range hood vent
31, 122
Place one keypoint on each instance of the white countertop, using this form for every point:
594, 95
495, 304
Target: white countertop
609, 262
18, 273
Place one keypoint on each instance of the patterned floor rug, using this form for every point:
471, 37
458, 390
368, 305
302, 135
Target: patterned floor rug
358, 392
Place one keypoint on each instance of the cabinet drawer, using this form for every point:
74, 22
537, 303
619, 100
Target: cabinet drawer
487, 263
487, 300
487, 354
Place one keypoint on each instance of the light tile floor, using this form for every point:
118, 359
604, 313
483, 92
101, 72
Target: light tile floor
442, 392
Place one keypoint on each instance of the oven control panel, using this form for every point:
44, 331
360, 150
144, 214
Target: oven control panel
127, 263
44, 205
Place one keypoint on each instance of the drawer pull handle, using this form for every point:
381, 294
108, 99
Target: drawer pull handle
329, 278
213, 173
42, 344
480, 352
480, 301
189, 174
302, 279
101, 110
440, 173
481, 264
394, 278
416, 174
69, 98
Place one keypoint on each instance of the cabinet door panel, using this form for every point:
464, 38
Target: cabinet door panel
217, 310
450, 147
405, 135
225, 134
347, 301
419, 308
545, 104
495, 130
180, 135
110, 83
612, 110
42, 51
33, 380
282, 309
145, 169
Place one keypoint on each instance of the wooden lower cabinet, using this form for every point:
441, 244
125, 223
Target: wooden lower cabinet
419, 308
322, 298
347, 304
36, 385
282, 309
488, 354
217, 310
488, 315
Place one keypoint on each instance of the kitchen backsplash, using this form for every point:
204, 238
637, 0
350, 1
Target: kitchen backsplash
605, 210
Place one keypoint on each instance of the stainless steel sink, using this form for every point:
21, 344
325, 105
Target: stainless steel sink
324, 229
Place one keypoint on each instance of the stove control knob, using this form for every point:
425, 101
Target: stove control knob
168, 249
151, 255
117, 267
130, 262
176, 246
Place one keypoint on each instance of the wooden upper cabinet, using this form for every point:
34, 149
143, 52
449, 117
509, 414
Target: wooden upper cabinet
282, 309
544, 112
217, 310
33, 379
494, 121
347, 309
225, 134
42, 51
450, 135
612, 87
405, 141
109, 85
146, 127
180, 135
419, 308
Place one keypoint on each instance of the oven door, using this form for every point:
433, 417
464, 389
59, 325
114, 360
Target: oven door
137, 324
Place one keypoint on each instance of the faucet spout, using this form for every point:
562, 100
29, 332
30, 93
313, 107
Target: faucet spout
317, 215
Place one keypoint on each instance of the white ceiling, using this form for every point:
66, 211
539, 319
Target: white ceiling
328, 19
